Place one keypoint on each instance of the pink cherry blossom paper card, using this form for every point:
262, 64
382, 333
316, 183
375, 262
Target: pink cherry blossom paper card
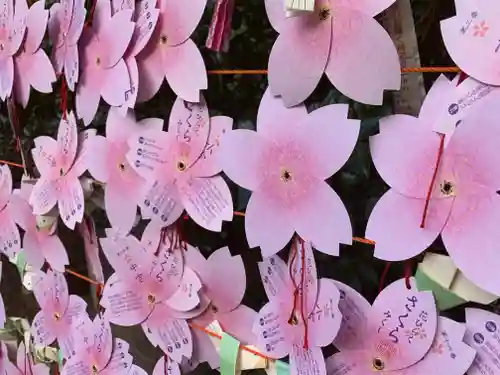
302, 314
108, 164
65, 27
285, 164
60, 163
170, 53
32, 67
182, 167
441, 183
337, 38
104, 71
391, 335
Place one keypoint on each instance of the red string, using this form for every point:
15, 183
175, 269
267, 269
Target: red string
383, 276
303, 302
91, 14
64, 105
433, 180
407, 272
291, 320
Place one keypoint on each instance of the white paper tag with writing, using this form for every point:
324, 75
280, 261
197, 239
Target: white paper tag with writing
300, 5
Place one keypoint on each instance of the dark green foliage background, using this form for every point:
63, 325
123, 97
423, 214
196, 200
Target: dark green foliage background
357, 183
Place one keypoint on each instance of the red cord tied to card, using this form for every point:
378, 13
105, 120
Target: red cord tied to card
220, 26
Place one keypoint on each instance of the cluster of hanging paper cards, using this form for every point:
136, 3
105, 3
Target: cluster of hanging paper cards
176, 294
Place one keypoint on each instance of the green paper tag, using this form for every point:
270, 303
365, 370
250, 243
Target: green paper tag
282, 368
21, 263
229, 348
60, 360
445, 299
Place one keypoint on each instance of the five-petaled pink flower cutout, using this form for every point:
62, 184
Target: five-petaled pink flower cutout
340, 38
66, 22
95, 350
104, 72
464, 206
25, 364
32, 67
40, 243
145, 19
181, 168
107, 163
172, 55
12, 32
59, 311
218, 302
299, 319
156, 286
60, 163
10, 241
372, 338
284, 163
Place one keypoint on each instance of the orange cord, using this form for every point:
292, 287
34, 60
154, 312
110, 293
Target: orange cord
424, 69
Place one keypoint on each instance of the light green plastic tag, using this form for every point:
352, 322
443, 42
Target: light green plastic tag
282, 368
445, 299
21, 263
229, 348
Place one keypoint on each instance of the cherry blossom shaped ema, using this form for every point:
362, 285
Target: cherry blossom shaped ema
442, 182
400, 333
60, 164
40, 242
153, 289
170, 54
145, 19
104, 72
13, 28
338, 38
96, 351
108, 163
302, 314
181, 168
284, 163
58, 312
65, 28
10, 241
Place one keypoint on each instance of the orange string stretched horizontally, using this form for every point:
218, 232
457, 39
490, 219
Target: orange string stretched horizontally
424, 69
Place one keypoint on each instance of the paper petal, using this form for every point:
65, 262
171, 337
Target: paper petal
185, 70
471, 223
276, 343
355, 310
180, 21
357, 38
225, 267
482, 328
166, 366
447, 352
307, 361
405, 154
124, 305
396, 218
325, 320
275, 276
332, 137
208, 201
301, 51
266, 225
240, 153
321, 218
238, 323
274, 118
